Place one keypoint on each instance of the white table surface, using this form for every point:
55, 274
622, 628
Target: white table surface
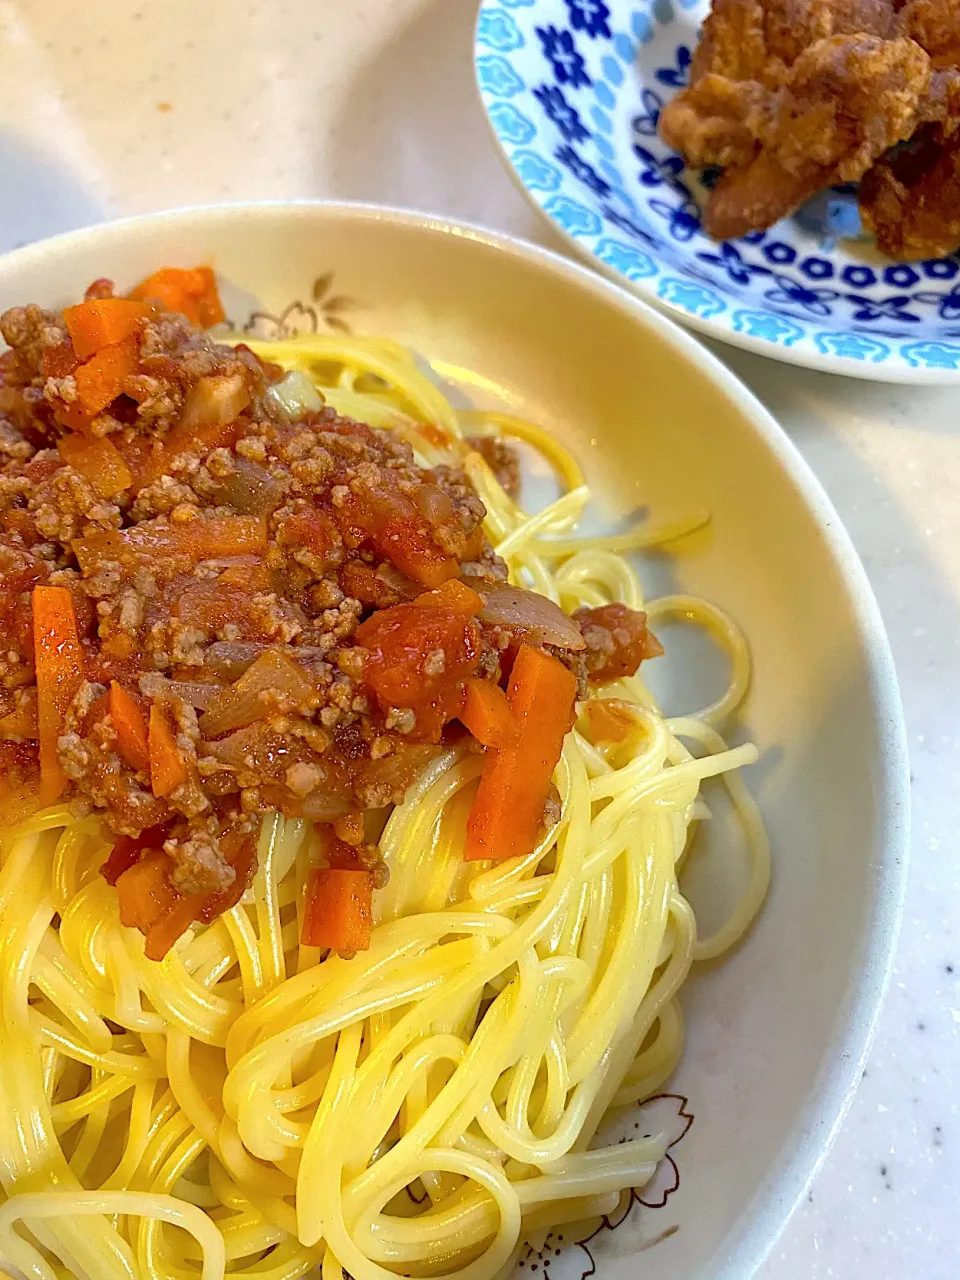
122, 107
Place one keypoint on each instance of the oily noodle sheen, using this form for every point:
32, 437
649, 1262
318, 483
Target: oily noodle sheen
422, 1108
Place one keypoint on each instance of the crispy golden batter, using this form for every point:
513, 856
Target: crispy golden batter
790, 96
935, 25
911, 200
846, 100
743, 61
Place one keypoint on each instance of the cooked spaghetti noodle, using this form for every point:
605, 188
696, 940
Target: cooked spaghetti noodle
248, 1107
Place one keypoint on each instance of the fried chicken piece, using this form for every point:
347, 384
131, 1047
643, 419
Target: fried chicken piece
846, 100
743, 59
761, 39
732, 42
910, 200
935, 25
717, 121
792, 26
790, 96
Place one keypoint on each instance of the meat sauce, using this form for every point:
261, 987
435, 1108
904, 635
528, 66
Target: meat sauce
269, 613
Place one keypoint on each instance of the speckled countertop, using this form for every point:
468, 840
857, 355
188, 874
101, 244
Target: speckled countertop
121, 108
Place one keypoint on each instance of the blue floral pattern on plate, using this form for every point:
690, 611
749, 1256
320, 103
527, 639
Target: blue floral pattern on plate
574, 91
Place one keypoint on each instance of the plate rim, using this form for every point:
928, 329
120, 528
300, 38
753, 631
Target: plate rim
752, 1236
897, 371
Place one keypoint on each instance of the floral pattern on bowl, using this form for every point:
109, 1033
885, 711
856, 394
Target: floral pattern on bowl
574, 89
573, 1253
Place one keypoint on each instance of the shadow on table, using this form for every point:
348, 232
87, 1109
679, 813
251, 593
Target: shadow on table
807, 392
411, 130
832, 419
38, 196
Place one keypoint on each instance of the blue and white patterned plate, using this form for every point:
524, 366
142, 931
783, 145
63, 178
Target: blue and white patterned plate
573, 90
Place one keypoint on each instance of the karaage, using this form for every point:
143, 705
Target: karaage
790, 96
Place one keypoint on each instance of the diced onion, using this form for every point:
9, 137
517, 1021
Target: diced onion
295, 395
194, 694
250, 489
231, 658
219, 398
324, 806
528, 611
241, 703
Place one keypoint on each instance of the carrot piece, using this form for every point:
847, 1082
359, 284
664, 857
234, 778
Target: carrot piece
59, 662
209, 537
452, 594
339, 909
103, 322
191, 291
486, 713
414, 552
166, 286
209, 307
130, 727
74, 416
164, 932
515, 782
100, 380
150, 903
168, 769
98, 461
128, 851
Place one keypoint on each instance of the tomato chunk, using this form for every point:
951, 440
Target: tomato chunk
418, 659
395, 526
98, 461
128, 851
617, 641
150, 903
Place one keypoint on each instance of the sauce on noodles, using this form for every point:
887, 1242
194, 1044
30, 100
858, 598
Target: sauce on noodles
339, 894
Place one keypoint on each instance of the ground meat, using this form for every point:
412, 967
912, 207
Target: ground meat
29, 331
198, 865
617, 641
502, 459
246, 589
552, 809
13, 444
160, 498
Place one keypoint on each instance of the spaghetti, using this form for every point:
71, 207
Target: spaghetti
247, 1107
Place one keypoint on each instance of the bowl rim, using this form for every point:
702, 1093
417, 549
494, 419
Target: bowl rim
898, 371
753, 1235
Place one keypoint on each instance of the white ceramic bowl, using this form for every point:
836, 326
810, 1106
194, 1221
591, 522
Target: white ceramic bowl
778, 1032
